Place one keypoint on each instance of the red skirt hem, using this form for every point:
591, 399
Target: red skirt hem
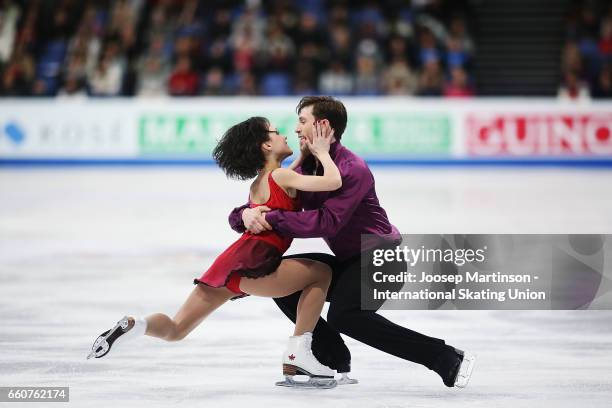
247, 257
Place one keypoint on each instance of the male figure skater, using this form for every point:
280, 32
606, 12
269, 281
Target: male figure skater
340, 217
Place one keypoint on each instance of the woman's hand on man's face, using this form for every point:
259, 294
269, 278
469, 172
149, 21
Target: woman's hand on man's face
322, 135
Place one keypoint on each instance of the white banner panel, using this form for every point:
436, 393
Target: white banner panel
379, 129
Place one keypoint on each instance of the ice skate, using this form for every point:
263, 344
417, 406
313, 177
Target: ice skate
105, 341
299, 360
465, 370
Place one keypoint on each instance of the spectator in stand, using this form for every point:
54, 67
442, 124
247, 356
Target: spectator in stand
161, 27
458, 31
338, 14
573, 89
429, 54
247, 39
218, 54
214, 82
314, 55
39, 88
456, 56
397, 48
152, 75
310, 31
571, 59
73, 87
370, 22
367, 76
402, 22
313, 52
458, 85
398, 78
76, 67
304, 79
341, 46
588, 28
9, 15
87, 44
247, 84
278, 50
588, 49
286, 15
74, 77
26, 39
605, 42
184, 81
221, 26
18, 76
430, 82
184, 46
603, 86
336, 80
106, 78
117, 60
153, 68
258, 46
59, 26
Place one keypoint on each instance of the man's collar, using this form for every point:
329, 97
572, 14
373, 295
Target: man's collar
333, 149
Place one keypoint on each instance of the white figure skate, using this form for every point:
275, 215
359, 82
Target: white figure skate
299, 360
465, 370
105, 341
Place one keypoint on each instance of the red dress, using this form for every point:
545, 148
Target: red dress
252, 255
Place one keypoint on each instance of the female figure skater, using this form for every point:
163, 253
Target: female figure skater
252, 264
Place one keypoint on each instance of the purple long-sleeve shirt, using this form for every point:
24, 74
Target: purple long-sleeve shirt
339, 217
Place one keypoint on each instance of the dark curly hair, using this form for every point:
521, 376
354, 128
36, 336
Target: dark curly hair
238, 153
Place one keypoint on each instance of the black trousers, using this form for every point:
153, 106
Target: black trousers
345, 316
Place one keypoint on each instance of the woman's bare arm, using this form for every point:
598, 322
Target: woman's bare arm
329, 181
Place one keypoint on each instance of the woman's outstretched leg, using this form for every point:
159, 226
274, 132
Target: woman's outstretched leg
202, 301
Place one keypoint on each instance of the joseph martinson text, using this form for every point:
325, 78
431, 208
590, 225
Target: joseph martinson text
457, 293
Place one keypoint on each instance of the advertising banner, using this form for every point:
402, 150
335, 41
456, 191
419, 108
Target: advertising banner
394, 130
540, 134
377, 135
48, 130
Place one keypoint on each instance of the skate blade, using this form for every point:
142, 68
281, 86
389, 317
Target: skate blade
347, 380
465, 371
312, 383
101, 346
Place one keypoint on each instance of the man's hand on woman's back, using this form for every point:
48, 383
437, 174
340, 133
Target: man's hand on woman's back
254, 219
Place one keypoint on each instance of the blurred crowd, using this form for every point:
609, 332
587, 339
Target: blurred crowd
586, 62
69, 48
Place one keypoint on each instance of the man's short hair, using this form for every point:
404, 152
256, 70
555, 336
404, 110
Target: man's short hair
326, 107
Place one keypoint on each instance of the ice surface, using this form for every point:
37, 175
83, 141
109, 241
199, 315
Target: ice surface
81, 247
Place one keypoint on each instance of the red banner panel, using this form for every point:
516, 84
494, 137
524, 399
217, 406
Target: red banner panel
539, 135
